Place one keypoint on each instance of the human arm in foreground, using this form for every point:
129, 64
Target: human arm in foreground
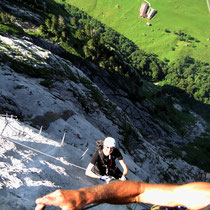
193, 195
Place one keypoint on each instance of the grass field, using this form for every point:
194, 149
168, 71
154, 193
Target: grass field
190, 16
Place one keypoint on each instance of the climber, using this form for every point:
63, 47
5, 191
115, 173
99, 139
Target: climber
103, 166
194, 195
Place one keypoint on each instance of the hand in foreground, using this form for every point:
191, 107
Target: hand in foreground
65, 199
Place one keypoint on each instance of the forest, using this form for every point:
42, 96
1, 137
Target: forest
88, 38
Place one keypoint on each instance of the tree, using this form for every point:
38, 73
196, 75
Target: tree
42, 29
87, 29
63, 35
155, 71
54, 24
182, 84
74, 21
48, 23
61, 22
3, 18
79, 34
87, 51
143, 64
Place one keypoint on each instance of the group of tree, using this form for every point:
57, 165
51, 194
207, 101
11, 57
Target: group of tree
56, 28
5, 18
112, 51
32, 3
190, 75
182, 36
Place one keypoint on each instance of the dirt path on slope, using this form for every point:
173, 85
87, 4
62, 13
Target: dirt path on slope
208, 4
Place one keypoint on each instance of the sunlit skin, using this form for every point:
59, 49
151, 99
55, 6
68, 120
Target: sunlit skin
192, 195
107, 150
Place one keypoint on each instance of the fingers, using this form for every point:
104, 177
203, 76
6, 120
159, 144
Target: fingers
54, 199
59, 198
40, 207
46, 200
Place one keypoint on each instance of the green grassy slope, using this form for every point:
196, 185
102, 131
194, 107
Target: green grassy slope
190, 16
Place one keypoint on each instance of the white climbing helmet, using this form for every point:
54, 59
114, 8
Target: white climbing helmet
109, 142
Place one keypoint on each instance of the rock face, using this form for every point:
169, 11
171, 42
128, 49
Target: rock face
76, 106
